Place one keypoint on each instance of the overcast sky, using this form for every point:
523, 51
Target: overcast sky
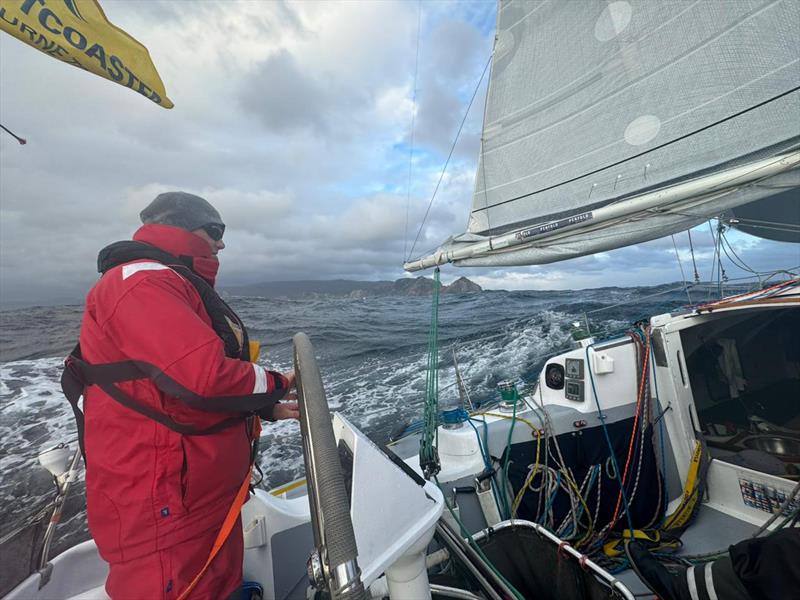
294, 120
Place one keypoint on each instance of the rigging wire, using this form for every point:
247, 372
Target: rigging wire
694, 262
449, 156
737, 260
607, 333
628, 302
714, 260
413, 121
680, 264
785, 229
722, 274
762, 224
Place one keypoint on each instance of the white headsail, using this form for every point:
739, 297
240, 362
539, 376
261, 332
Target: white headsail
612, 123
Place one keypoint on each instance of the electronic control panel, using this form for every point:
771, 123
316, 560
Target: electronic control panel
573, 384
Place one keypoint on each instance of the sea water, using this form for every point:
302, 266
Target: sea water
372, 353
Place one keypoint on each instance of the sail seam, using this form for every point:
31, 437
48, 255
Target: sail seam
645, 152
524, 17
644, 77
790, 145
589, 74
615, 142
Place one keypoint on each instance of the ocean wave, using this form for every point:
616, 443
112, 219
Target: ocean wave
372, 353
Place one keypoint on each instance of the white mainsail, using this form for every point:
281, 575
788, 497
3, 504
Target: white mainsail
609, 124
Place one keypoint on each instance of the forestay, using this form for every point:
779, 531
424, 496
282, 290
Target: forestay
608, 124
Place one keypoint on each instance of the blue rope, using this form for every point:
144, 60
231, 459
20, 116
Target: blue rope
486, 462
549, 504
660, 418
594, 470
486, 456
602, 418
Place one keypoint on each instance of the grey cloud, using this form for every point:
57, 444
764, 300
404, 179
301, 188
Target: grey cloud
455, 48
452, 61
284, 98
439, 113
301, 158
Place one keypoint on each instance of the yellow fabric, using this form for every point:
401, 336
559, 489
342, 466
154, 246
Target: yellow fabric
255, 350
653, 537
78, 33
691, 497
239, 335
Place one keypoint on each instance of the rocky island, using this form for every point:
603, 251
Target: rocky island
405, 286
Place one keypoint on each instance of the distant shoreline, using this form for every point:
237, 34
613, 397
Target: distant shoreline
418, 286
343, 288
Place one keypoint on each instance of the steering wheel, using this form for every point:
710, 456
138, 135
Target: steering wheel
333, 564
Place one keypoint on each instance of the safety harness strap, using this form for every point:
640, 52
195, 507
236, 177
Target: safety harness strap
73, 388
78, 374
225, 322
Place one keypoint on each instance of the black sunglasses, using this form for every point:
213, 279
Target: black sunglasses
214, 231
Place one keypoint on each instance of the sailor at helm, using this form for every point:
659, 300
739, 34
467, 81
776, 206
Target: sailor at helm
172, 408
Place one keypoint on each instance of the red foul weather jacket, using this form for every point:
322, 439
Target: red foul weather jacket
148, 486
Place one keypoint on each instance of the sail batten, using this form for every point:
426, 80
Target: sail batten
592, 103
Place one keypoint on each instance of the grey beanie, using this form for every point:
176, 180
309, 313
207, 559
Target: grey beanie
180, 209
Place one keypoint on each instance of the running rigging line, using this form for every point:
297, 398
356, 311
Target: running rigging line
714, 260
428, 454
449, 156
694, 262
680, 264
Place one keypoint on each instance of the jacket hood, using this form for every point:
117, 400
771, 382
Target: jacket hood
165, 244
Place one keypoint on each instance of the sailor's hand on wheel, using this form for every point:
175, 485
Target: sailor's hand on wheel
290, 380
286, 410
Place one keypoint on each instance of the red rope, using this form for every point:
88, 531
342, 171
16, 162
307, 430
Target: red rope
639, 400
731, 299
582, 562
561, 552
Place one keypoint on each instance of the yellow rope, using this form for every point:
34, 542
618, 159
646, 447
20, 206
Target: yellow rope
521, 493
526, 421
535, 470
528, 480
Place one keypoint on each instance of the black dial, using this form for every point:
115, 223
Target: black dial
554, 376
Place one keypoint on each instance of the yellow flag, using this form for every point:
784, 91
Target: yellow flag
78, 33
